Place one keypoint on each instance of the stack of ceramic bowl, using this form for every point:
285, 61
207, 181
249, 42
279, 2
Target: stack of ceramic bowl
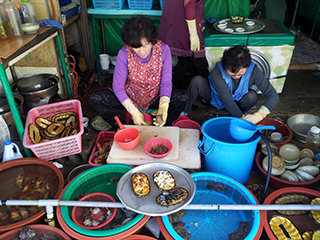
291, 164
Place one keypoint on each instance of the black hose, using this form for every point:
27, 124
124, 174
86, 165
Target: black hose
269, 167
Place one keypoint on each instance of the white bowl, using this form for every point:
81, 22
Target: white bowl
240, 29
223, 22
229, 30
250, 23
222, 26
30, 28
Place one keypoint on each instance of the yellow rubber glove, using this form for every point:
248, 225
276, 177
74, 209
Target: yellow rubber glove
257, 116
193, 35
136, 115
162, 114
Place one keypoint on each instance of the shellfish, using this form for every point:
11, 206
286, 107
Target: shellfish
316, 213
316, 235
278, 165
312, 170
307, 235
280, 233
304, 175
292, 199
306, 153
289, 176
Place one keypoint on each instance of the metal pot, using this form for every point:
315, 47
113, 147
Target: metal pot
37, 89
7, 115
4, 106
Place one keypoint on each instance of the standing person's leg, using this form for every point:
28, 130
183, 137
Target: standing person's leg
106, 104
200, 66
178, 102
179, 75
198, 87
248, 101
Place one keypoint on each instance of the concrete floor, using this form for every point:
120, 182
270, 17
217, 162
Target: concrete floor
301, 94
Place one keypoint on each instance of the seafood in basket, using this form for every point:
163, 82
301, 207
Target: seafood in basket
61, 125
292, 164
26, 188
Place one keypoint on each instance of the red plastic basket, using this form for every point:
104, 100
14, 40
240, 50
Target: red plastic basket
103, 136
59, 147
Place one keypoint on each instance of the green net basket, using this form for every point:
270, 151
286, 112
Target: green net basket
99, 179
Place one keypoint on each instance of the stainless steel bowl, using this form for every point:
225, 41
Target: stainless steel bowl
300, 125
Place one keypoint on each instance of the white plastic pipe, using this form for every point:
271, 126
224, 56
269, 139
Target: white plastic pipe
56, 202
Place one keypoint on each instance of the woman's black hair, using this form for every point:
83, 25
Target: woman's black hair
235, 58
136, 28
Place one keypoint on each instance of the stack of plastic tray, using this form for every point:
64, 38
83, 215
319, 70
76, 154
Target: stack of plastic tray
140, 4
108, 4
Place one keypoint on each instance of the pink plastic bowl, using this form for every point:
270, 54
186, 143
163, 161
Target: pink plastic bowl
77, 212
154, 142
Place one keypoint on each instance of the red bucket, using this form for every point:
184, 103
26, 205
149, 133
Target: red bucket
186, 123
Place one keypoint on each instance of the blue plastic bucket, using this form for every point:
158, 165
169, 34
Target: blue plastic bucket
214, 188
223, 154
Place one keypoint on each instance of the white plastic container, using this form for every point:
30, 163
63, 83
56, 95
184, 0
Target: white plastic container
104, 61
11, 151
276, 137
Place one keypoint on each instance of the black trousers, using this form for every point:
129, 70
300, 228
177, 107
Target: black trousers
107, 105
186, 69
200, 87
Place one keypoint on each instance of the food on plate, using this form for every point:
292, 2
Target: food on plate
140, 184
164, 180
284, 229
172, 197
237, 19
